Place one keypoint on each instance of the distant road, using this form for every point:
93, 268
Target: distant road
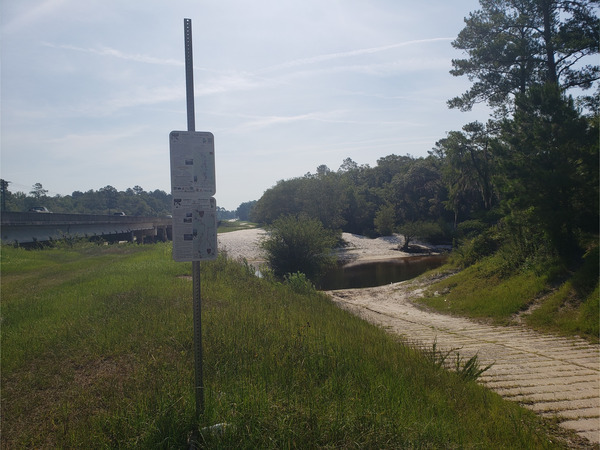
29, 227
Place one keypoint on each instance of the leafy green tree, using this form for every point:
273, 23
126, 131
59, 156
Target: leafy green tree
4, 193
417, 191
322, 198
299, 244
359, 200
348, 166
418, 229
388, 167
359, 208
38, 191
243, 211
515, 44
110, 197
281, 199
385, 220
223, 214
468, 170
549, 163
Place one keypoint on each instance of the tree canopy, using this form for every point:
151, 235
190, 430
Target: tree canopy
512, 45
106, 200
361, 200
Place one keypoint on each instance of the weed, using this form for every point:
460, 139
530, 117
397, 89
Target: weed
469, 370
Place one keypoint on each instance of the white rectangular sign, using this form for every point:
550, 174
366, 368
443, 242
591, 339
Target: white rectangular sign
192, 187
192, 163
194, 229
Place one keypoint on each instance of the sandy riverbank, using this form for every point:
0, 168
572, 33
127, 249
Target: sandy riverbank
245, 244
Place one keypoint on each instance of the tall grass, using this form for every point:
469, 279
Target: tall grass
97, 352
565, 303
482, 291
574, 307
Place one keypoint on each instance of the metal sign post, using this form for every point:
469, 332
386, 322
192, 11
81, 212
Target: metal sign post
189, 74
199, 383
191, 119
194, 209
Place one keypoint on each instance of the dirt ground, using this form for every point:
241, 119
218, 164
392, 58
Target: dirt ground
554, 376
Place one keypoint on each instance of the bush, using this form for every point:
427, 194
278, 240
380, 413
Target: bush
470, 229
477, 248
299, 244
299, 283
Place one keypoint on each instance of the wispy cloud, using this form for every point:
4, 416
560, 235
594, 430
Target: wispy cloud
230, 81
359, 52
408, 65
340, 116
111, 52
220, 81
257, 122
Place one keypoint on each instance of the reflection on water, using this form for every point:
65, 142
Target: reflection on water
379, 273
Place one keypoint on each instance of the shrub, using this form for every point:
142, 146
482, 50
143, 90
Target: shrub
299, 283
480, 246
299, 244
470, 228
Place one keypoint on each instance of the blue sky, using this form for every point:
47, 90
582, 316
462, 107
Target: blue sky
91, 89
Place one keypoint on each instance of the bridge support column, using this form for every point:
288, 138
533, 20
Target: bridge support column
161, 234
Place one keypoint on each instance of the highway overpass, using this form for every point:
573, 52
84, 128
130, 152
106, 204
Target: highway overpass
30, 227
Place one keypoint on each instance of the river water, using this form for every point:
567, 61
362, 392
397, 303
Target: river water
378, 273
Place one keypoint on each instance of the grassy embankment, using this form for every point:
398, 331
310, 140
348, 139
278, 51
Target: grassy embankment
97, 352
545, 297
226, 226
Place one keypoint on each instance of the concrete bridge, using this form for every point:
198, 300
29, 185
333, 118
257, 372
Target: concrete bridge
30, 227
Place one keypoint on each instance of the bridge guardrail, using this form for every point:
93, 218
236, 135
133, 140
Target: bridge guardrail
26, 227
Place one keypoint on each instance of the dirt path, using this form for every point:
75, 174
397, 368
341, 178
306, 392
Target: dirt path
553, 376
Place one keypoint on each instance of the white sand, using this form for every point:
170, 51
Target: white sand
245, 244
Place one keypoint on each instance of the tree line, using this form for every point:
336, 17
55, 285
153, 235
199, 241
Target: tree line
527, 178
107, 200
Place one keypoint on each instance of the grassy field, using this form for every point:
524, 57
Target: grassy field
567, 304
97, 352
